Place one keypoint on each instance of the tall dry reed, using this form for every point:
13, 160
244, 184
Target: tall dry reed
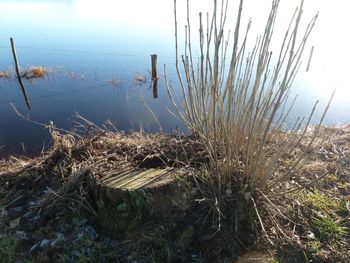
237, 111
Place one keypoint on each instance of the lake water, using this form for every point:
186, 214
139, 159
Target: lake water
88, 44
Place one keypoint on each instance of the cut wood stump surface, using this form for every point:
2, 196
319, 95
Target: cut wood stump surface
161, 185
130, 179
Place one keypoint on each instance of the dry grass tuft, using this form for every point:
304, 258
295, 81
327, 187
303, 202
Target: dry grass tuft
5, 74
35, 72
316, 168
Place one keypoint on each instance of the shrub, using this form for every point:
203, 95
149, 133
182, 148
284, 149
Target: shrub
240, 112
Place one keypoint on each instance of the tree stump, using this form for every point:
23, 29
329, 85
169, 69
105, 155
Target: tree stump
161, 187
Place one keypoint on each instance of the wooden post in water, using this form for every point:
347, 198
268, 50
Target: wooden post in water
155, 89
18, 73
154, 66
154, 75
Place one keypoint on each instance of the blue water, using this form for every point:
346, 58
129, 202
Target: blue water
88, 43
83, 55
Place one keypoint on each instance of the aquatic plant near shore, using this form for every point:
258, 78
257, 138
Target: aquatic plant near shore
5, 74
34, 72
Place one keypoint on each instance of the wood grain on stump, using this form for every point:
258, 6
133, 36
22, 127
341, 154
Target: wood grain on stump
160, 185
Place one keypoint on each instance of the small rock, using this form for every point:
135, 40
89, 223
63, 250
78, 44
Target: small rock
45, 243
14, 223
310, 235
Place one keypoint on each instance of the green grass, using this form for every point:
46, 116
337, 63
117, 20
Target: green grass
325, 204
324, 216
314, 245
7, 248
327, 227
325, 212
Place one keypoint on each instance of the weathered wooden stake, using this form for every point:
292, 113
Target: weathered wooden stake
18, 74
155, 89
154, 66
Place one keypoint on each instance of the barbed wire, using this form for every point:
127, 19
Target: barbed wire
161, 57
84, 51
109, 83
54, 94
114, 81
96, 52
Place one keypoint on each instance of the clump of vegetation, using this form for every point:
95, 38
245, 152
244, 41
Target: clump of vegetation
326, 227
5, 74
140, 78
35, 72
326, 204
325, 214
239, 113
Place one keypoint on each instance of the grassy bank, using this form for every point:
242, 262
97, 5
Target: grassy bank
51, 214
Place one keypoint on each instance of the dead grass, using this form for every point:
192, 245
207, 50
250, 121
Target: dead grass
316, 168
78, 156
61, 180
140, 78
5, 74
35, 72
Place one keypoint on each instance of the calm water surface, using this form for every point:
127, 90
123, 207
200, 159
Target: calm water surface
88, 43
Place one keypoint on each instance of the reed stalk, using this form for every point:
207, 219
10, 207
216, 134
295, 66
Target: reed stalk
237, 111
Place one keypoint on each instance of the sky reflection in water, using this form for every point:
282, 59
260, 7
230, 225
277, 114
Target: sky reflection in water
86, 43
